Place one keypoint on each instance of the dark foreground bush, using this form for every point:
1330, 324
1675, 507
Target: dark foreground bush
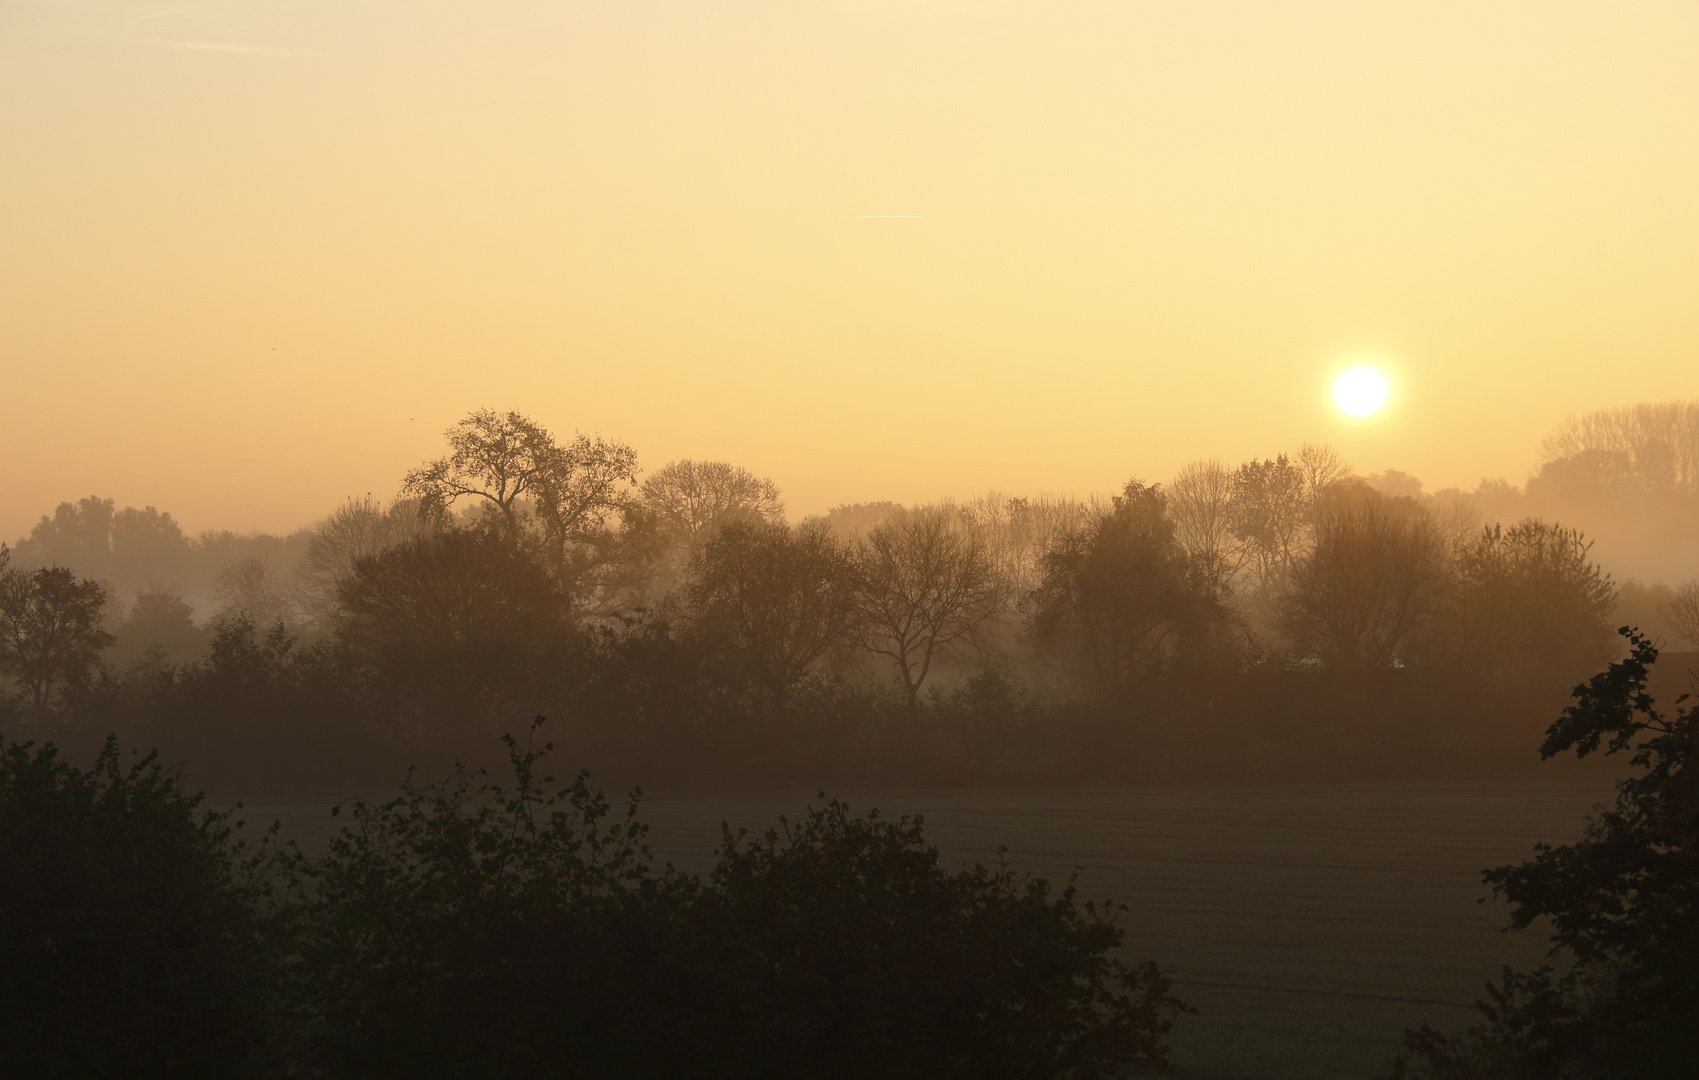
134, 935
466, 928
470, 929
1622, 1001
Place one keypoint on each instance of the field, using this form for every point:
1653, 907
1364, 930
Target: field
1309, 925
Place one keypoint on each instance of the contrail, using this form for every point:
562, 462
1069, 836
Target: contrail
209, 46
863, 217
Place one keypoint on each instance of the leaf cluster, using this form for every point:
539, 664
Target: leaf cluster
1622, 904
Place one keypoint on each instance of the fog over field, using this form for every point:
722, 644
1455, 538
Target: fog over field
849, 538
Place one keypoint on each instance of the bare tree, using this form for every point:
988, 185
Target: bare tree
928, 589
511, 463
1200, 503
353, 531
1018, 532
250, 587
1681, 610
497, 458
1649, 445
1370, 582
567, 502
692, 499
1320, 466
686, 503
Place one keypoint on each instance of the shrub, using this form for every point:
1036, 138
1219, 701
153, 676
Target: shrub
135, 937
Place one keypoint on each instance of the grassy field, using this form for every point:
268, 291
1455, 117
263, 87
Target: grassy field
1310, 925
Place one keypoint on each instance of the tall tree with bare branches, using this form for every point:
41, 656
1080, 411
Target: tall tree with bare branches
928, 589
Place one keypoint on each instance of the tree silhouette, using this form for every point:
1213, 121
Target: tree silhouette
778, 597
1622, 904
1371, 581
1269, 509
928, 589
50, 635
1116, 592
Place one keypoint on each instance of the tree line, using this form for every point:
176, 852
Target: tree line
676, 624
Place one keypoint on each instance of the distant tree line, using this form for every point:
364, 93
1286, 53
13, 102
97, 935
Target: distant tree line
1282, 617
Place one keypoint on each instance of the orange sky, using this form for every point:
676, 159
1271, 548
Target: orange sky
255, 257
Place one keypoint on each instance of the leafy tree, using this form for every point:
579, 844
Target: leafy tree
453, 623
463, 926
778, 598
137, 940
1372, 580
78, 535
1116, 592
853, 953
1269, 509
1622, 904
161, 623
466, 927
928, 589
148, 544
1530, 601
50, 635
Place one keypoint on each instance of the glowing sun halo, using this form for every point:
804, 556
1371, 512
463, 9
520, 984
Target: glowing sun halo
1359, 391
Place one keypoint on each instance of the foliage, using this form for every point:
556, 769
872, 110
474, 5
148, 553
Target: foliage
1623, 905
463, 926
136, 936
1117, 592
777, 598
855, 954
50, 635
512, 931
1529, 600
1268, 511
457, 620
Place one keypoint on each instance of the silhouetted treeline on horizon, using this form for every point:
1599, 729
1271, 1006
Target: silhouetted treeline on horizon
1282, 619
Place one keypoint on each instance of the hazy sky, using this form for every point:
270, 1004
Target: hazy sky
255, 257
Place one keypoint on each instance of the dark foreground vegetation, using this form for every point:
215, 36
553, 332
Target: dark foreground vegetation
1621, 996
1279, 620
469, 929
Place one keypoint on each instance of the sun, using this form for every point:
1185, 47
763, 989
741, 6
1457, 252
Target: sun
1359, 391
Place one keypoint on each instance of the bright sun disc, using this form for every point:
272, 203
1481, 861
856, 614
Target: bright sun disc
1359, 391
